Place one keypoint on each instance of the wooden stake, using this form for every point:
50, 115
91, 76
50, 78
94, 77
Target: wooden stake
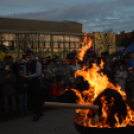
70, 105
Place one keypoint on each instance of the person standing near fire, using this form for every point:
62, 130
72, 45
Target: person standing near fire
32, 71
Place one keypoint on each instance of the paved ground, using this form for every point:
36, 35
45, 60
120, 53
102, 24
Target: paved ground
56, 121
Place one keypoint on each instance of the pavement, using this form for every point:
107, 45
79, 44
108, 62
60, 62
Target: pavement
54, 121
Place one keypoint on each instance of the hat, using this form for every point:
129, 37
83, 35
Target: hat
130, 69
39, 55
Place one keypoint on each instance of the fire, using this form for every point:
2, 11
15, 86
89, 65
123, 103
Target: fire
98, 83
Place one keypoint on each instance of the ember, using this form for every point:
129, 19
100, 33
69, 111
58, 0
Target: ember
113, 111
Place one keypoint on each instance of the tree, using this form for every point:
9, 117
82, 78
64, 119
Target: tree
106, 38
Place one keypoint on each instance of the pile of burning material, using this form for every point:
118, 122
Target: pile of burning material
113, 111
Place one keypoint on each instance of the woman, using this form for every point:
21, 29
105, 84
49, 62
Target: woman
121, 77
57, 94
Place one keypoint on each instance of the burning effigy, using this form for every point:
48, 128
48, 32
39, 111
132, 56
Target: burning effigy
113, 110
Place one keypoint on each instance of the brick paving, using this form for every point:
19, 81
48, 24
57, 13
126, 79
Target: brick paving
54, 121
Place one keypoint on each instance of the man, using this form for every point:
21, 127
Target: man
65, 71
131, 62
32, 71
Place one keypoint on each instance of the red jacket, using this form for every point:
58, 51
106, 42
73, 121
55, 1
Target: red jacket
55, 91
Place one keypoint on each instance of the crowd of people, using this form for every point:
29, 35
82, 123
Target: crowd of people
29, 81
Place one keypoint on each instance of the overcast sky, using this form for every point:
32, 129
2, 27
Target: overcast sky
93, 14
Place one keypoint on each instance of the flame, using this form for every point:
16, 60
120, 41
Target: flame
98, 83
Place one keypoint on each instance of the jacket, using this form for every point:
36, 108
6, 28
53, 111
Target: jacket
8, 84
55, 90
20, 85
131, 81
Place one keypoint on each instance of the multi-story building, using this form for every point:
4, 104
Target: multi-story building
44, 37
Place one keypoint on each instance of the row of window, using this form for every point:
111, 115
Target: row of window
39, 37
40, 42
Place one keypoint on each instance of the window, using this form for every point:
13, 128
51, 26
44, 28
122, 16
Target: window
9, 40
55, 38
71, 38
47, 38
66, 38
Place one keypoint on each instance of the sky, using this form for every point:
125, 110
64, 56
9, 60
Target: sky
95, 15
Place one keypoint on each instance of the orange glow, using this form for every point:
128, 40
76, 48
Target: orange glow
98, 83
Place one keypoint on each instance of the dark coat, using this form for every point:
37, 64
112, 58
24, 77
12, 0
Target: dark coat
8, 84
131, 82
20, 85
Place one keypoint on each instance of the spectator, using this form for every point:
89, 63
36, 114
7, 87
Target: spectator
72, 84
76, 66
16, 66
8, 80
5, 53
130, 81
57, 94
125, 62
44, 62
52, 69
46, 81
33, 70
65, 71
131, 62
1, 66
121, 77
22, 89
1, 97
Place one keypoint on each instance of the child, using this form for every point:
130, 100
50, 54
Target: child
130, 81
45, 82
121, 77
22, 86
72, 84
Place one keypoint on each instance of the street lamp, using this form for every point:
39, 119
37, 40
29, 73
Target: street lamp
64, 38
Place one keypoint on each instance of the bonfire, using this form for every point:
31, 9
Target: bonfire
113, 111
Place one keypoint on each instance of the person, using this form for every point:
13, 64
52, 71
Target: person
52, 69
32, 71
131, 62
46, 81
76, 66
72, 84
16, 66
5, 53
44, 62
1, 96
57, 94
22, 90
65, 71
8, 80
130, 81
120, 77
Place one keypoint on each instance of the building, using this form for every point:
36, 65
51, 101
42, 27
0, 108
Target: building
105, 42
44, 37
124, 39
